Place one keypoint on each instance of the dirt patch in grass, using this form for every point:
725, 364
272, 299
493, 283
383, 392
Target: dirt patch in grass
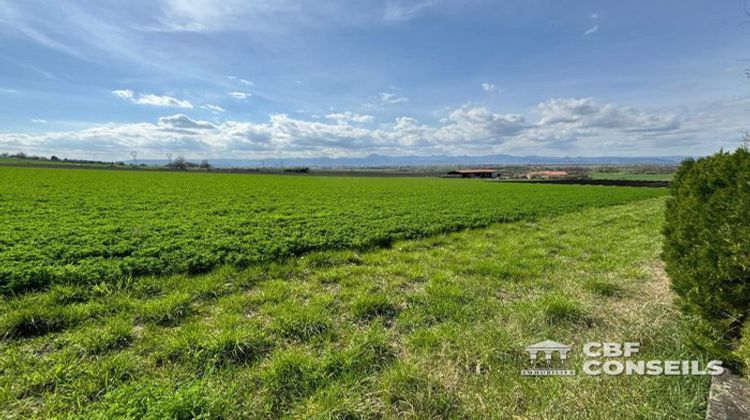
651, 300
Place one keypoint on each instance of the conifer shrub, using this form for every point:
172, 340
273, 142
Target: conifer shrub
707, 241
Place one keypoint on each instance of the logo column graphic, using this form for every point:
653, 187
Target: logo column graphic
548, 348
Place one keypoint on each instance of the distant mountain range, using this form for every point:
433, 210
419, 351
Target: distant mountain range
397, 161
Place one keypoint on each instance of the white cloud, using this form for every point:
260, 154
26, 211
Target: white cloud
565, 110
224, 15
241, 81
399, 11
276, 16
592, 30
213, 108
389, 98
38, 121
595, 16
153, 100
491, 88
347, 117
123, 93
166, 101
585, 113
240, 95
562, 126
466, 128
182, 121
480, 125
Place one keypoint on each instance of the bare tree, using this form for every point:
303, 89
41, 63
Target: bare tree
179, 163
169, 156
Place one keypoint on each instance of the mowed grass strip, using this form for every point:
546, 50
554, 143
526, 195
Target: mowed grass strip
61, 226
429, 328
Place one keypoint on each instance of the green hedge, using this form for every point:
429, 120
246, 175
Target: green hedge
707, 240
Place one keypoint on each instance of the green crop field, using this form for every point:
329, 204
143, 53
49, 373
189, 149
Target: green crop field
429, 328
181, 295
15, 161
62, 226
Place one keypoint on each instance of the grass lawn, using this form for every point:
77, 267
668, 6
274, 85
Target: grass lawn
429, 328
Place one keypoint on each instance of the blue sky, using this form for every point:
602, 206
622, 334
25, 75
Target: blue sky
231, 78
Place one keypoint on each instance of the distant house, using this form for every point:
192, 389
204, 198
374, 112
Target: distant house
473, 173
546, 174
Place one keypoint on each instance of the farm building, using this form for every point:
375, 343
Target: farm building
473, 173
546, 174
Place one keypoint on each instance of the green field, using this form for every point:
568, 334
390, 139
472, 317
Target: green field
180, 295
62, 226
629, 176
428, 328
15, 161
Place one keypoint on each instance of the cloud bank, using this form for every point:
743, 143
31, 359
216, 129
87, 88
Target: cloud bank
561, 126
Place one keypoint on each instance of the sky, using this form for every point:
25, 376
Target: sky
351, 78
